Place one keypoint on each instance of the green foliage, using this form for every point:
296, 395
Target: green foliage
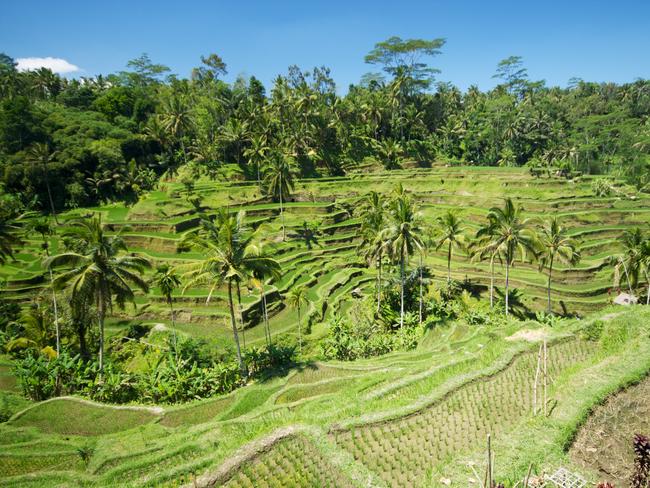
349, 339
593, 330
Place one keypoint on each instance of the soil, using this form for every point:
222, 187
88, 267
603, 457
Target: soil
604, 443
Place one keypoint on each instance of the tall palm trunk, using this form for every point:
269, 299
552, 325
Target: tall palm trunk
83, 347
647, 278
421, 288
266, 315
449, 263
492, 281
282, 211
171, 314
401, 310
233, 323
299, 330
507, 285
241, 315
550, 273
49, 193
627, 277
379, 282
56, 317
101, 313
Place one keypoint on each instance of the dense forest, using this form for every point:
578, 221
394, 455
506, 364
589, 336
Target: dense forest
66, 143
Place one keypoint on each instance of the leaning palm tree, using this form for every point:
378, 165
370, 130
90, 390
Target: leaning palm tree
512, 236
403, 236
296, 298
554, 243
39, 154
167, 281
451, 235
98, 269
278, 181
229, 258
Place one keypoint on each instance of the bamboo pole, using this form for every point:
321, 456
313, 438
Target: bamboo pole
545, 373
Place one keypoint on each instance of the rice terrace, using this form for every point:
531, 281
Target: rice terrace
217, 280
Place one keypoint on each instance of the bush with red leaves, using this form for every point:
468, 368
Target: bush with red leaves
641, 476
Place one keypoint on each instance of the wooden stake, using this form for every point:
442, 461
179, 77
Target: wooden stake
489, 442
545, 374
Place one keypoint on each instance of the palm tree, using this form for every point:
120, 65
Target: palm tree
403, 235
486, 246
167, 281
43, 227
230, 257
390, 152
176, 120
296, 298
631, 258
235, 132
39, 155
11, 233
511, 235
98, 269
554, 243
278, 180
451, 235
256, 153
258, 277
373, 210
645, 265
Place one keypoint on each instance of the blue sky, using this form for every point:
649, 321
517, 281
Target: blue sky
594, 40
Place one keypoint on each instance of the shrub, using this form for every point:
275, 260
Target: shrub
593, 330
269, 358
641, 475
614, 335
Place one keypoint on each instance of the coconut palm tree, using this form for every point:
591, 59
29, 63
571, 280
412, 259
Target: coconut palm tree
256, 153
98, 268
512, 235
43, 227
450, 235
296, 298
258, 278
555, 244
230, 258
278, 181
176, 119
39, 154
485, 246
402, 235
645, 265
167, 281
372, 245
11, 233
630, 259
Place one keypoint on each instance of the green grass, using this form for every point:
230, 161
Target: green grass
73, 417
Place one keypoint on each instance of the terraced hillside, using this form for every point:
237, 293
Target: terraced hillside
331, 267
416, 418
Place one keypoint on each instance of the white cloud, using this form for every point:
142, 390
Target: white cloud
57, 65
